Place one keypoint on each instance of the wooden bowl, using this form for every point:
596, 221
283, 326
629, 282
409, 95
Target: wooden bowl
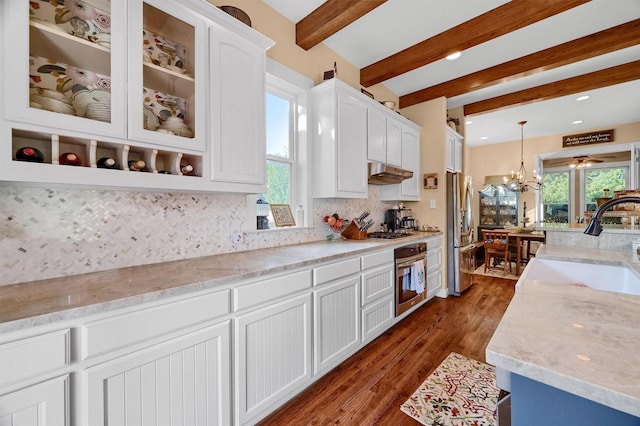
239, 14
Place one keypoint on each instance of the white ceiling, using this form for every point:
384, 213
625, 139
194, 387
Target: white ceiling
398, 24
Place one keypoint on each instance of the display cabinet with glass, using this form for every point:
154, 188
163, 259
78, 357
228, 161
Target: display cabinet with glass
114, 82
498, 206
60, 69
167, 97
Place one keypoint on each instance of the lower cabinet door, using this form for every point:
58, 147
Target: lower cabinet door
185, 380
37, 405
272, 357
377, 317
336, 310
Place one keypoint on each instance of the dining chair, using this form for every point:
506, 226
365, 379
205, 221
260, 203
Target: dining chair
496, 249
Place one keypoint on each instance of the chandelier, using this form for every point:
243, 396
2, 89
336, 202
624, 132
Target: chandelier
518, 181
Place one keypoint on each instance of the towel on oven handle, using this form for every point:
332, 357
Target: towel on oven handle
417, 277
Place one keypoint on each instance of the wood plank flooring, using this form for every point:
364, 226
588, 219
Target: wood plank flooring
368, 388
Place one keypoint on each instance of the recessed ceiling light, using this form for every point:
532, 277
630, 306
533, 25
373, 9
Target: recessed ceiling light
454, 55
468, 122
583, 98
484, 137
577, 122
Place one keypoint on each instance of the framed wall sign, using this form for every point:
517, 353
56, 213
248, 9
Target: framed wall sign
430, 181
601, 136
282, 215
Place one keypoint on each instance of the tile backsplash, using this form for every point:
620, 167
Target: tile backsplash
51, 232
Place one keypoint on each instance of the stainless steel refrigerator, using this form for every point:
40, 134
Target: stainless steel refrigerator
460, 238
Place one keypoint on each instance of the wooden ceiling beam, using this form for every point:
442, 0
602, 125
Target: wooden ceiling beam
600, 43
594, 80
502, 20
329, 18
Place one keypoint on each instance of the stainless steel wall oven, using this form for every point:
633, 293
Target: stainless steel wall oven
411, 277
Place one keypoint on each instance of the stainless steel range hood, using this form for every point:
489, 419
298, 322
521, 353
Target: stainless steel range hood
384, 174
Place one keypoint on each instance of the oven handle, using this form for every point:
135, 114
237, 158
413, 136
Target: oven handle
411, 260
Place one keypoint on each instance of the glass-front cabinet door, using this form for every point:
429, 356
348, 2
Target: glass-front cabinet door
64, 65
167, 65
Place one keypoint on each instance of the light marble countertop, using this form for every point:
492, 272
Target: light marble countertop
577, 339
34, 303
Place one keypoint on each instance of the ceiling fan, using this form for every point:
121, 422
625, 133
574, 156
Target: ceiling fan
584, 161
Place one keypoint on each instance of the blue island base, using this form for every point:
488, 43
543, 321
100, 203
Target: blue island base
534, 404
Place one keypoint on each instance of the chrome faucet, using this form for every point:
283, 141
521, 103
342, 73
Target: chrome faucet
594, 227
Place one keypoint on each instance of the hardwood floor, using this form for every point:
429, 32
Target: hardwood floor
368, 388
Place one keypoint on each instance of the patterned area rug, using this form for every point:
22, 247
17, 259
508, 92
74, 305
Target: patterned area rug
498, 273
460, 392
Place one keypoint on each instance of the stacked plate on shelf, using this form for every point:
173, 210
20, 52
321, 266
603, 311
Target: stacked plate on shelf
50, 100
99, 111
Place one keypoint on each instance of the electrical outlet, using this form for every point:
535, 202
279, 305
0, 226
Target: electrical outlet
237, 238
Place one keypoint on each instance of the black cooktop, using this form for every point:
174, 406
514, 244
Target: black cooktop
389, 235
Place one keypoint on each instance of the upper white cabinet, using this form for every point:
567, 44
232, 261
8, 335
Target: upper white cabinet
180, 87
408, 189
167, 81
65, 65
238, 88
339, 141
454, 150
384, 137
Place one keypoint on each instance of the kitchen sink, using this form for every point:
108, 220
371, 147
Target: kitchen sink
616, 278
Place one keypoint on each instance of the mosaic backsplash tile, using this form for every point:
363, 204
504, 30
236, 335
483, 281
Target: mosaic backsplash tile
48, 233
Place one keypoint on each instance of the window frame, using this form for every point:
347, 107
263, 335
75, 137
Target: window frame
284, 80
572, 190
607, 165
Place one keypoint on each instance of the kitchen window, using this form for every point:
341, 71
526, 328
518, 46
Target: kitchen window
286, 139
598, 178
559, 203
556, 196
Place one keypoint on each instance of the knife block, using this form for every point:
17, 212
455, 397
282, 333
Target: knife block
352, 232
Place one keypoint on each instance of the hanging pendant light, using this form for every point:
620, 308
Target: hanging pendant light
518, 181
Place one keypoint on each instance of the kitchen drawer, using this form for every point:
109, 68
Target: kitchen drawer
34, 356
377, 259
434, 243
324, 274
128, 329
377, 283
270, 289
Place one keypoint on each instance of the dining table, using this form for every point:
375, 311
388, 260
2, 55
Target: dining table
528, 237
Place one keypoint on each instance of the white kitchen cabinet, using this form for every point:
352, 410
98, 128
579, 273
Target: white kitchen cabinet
408, 189
185, 380
272, 357
170, 85
238, 128
434, 266
167, 77
50, 75
42, 404
34, 386
336, 331
339, 141
384, 137
378, 303
454, 150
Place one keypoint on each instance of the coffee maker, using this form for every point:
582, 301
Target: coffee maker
400, 219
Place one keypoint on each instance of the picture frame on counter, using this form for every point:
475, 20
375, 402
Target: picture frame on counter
282, 215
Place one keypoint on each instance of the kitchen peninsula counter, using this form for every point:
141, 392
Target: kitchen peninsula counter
34, 303
579, 340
